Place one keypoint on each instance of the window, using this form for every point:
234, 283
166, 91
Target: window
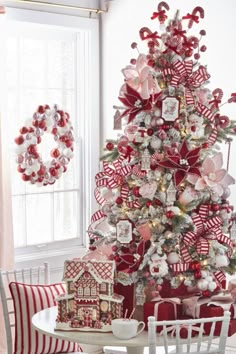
51, 60
94, 291
87, 291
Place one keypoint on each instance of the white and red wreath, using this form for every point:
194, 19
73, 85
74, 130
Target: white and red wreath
30, 163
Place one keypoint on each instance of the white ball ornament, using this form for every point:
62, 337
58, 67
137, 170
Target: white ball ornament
202, 284
68, 153
188, 282
160, 121
226, 193
172, 258
157, 112
204, 273
212, 286
155, 142
209, 278
221, 261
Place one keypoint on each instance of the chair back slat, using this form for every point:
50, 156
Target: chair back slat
200, 344
35, 275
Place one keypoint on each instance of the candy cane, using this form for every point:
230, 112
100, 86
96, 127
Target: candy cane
146, 33
161, 5
232, 98
161, 14
218, 95
193, 16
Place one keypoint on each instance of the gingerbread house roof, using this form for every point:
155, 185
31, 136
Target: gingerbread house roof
102, 271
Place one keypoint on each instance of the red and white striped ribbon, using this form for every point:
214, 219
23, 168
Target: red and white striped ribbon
185, 254
97, 216
202, 246
219, 276
133, 204
189, 99
204, 111
138, 172
180, 267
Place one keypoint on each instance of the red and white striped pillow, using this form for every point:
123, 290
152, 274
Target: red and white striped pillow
29, 299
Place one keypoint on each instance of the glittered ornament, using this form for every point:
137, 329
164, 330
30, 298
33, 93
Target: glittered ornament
110, 146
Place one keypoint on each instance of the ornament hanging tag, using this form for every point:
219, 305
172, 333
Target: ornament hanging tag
117, 121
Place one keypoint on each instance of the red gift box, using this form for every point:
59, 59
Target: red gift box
162, 309
184, 329
216, 311
203, 307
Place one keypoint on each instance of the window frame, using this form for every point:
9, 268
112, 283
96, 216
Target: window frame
89, 126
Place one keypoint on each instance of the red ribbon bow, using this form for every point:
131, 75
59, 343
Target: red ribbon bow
191, 17
206, 229
183, 74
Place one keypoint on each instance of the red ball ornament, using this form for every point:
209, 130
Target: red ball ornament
117, 258
25, 177
41, 171
195, 265
92, 248
23, 130
110, 146
205, 145
136, 191
19, 140
32, 149
169, 214
158, 202
55, 153
215, 207
206, 293
41, 109
62, 122
53, 172
148, 203
203, 48
151, 63
42, 124
20, 169
197, 274
188, 52
119, 200
54, 131
68, 143
150, 131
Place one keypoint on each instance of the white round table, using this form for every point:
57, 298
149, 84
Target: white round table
44, 322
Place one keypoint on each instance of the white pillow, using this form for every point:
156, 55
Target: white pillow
29, 299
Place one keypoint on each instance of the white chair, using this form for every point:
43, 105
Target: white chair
35, 275
200, 344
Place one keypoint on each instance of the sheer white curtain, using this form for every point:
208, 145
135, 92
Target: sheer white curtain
6, 230
6, 225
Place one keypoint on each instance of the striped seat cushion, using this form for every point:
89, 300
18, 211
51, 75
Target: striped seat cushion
29, 299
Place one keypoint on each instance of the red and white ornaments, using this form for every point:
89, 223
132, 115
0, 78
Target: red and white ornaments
30, 163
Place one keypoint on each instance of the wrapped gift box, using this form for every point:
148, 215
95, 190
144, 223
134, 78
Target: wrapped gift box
162, 309
202, 307
184, 330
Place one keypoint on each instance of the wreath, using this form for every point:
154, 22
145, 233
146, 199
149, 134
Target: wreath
30, 164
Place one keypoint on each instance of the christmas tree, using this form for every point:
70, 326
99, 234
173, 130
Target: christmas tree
163, 192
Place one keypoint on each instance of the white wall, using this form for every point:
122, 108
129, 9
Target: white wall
120, 27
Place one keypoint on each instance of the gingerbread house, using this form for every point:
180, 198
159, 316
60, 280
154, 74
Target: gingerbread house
89, 302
